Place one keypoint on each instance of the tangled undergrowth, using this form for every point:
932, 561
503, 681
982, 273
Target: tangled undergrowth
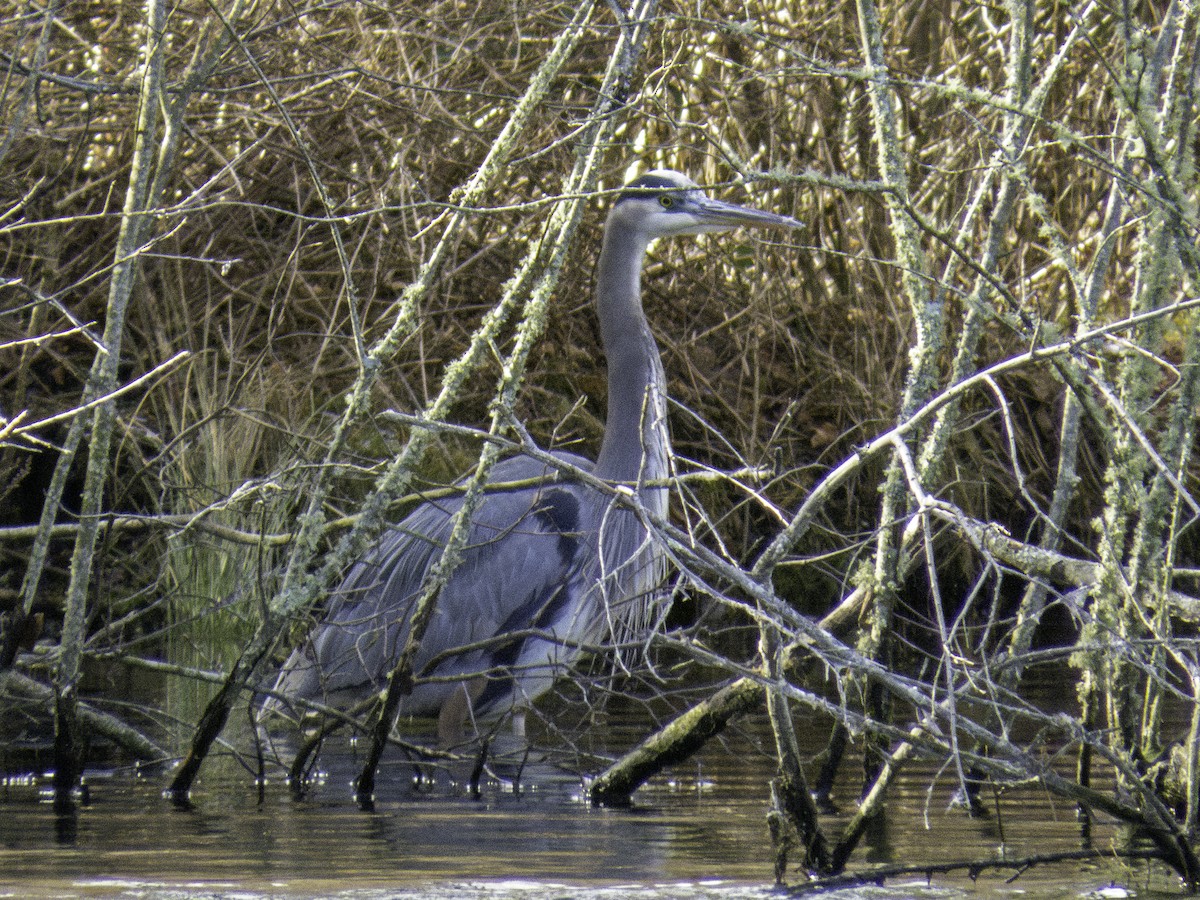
941, 434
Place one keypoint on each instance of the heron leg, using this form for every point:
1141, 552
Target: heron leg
452, 717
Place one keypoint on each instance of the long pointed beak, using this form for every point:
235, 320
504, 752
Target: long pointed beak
719, 214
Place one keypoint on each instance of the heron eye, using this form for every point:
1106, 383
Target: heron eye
666, 201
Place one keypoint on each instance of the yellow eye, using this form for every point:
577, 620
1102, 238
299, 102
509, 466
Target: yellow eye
666, 201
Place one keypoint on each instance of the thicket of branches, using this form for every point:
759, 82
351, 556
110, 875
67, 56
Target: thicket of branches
945, 434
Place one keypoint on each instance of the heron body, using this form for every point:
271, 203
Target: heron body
547, 569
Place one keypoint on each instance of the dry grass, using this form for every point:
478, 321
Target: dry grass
784, 355
788, 353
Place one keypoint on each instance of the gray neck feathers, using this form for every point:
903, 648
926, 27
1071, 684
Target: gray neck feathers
635, 444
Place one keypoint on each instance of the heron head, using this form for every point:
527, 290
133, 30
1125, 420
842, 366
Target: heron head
664, 203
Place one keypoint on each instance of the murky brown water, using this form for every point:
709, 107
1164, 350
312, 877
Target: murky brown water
697, 832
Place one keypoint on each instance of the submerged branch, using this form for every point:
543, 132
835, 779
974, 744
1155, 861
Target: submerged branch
974, 868
124, 735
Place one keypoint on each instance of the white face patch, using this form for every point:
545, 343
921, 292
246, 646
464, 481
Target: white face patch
663, 203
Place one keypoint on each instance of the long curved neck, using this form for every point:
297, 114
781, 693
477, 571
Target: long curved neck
635, 444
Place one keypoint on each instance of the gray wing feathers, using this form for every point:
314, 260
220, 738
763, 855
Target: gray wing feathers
521, 570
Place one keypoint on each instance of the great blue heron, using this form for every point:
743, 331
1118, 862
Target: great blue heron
548, 569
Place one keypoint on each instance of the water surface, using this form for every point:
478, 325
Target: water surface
698, 831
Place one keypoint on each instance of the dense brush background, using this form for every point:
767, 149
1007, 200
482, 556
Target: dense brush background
783, 352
